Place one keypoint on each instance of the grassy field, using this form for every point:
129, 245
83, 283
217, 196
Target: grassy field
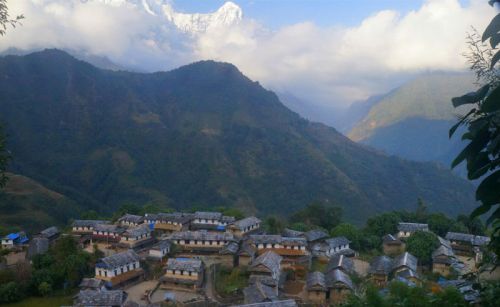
54, 301
229, 282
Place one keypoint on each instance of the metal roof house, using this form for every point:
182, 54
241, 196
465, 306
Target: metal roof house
407, 229
14, 239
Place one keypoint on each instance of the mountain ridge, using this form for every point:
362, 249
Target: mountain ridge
200, 135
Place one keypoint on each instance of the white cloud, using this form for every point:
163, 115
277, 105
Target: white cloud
326, 65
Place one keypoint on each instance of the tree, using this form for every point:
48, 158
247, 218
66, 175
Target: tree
44, 288
385, 223
482, 123
421, 244
421, 213
273, 225
4, 159
349, 231
439, 223
10, 292
5, 19
474, 225
318, 214
450, 297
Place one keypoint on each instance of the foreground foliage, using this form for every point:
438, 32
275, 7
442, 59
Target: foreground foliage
482, 123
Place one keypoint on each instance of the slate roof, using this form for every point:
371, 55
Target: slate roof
39, 245
412, 227
163, 244
284, 303
88, 223
117, 260
185, 264
270, 260
338, 276
247, 249
443, 251
340, 262
100, 298
407, 274
316, 280
208, 215
231, 248
92, 283
292, 233
137, 231
406, 259
228, 219
380, 265
131, 218
265, 239
315, 235
258, 293
109, 228
464, 237
246, 222
178, 217
202, 235
293, 241
391, 239
337, 241
50, 232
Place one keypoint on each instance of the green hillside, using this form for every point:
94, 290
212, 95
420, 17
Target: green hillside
26, 204
427, 96
202, 135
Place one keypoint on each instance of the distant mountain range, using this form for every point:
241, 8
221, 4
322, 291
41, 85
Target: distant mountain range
413, 120
202, 135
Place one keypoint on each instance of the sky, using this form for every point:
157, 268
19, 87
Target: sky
325, 52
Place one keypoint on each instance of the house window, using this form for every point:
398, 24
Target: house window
106, 273
116, 272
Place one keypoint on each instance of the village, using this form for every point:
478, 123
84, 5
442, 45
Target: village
187, 258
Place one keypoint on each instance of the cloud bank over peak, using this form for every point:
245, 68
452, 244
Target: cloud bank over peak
326, 65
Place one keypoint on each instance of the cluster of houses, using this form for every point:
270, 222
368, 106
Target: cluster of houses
186, 245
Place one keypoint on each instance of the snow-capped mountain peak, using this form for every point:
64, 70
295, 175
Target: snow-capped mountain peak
227, 15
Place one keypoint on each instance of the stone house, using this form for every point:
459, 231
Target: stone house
135, 237
340, 262
86, 226
464, 244
183, 273
379, 270
259, 293
267, 267
338, 245
113, 298
91, 284
407, 229
160, 250
316, 288
244, 226
51, 234
107, 233
340, 286
211, 221
119, 269
276, 303
443, 258
392, 245
169, 222
131, 220
201, 241
246, 254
